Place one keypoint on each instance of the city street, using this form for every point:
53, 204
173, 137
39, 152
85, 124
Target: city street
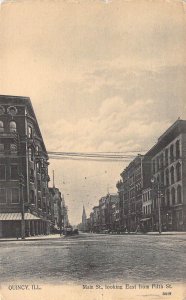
90, 258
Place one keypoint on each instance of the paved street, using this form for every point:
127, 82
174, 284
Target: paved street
89, 258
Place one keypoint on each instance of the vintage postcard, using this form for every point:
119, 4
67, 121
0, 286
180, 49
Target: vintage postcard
92, 149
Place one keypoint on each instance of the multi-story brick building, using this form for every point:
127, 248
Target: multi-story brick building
130, 193
168, 167
24, 195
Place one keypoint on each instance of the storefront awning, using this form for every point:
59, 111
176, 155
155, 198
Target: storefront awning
17, 217
145, 219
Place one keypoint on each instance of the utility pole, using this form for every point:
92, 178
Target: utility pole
156, 187
21, 182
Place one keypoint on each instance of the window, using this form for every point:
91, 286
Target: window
30, 154
157, 162
153, 167
2, 148
38, 167
162, 177
39, 185
158, 178
30, 132
178, 149
13, 127
37, 150
178, 171
1, 126
172, 174
179, 197
172, 153
14, 172
168, 197
167, 177
2, 172
15, 195
161, 161
39, 203
173, 196
32, 197
13, 148
166, 157
2, 195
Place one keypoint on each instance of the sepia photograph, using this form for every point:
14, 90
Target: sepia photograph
92, 149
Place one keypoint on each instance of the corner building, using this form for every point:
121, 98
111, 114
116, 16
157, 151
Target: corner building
168, 167
24, 195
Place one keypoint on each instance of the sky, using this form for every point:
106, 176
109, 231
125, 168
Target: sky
102, 76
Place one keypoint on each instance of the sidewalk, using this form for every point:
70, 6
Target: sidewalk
33, 238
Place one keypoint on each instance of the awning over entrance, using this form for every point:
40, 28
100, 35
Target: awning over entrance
17, 217
145, 219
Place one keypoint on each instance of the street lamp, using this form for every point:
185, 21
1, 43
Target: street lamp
156, 187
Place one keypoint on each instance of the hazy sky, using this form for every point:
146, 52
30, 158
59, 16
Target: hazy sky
101, 77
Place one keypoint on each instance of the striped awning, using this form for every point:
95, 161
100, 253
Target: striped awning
17, 217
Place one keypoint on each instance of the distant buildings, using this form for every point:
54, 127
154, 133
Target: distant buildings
59, 215
26, 206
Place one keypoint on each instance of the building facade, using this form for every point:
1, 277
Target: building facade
168, 168
24, 195
130, 194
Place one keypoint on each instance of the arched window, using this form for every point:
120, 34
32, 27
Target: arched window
172, 153
162, 177
1, 126
179, 197
177, 149
166, 157
168, 197
172, 174
167, 177
13, 127
173, 196
178, 171
32, 197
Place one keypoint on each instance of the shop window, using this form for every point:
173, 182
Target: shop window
2, 172
2, 195
13, 127
1, 126
15, 195
178, 149
178, 171
172, 174
14, 172
173, 196
179, 196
